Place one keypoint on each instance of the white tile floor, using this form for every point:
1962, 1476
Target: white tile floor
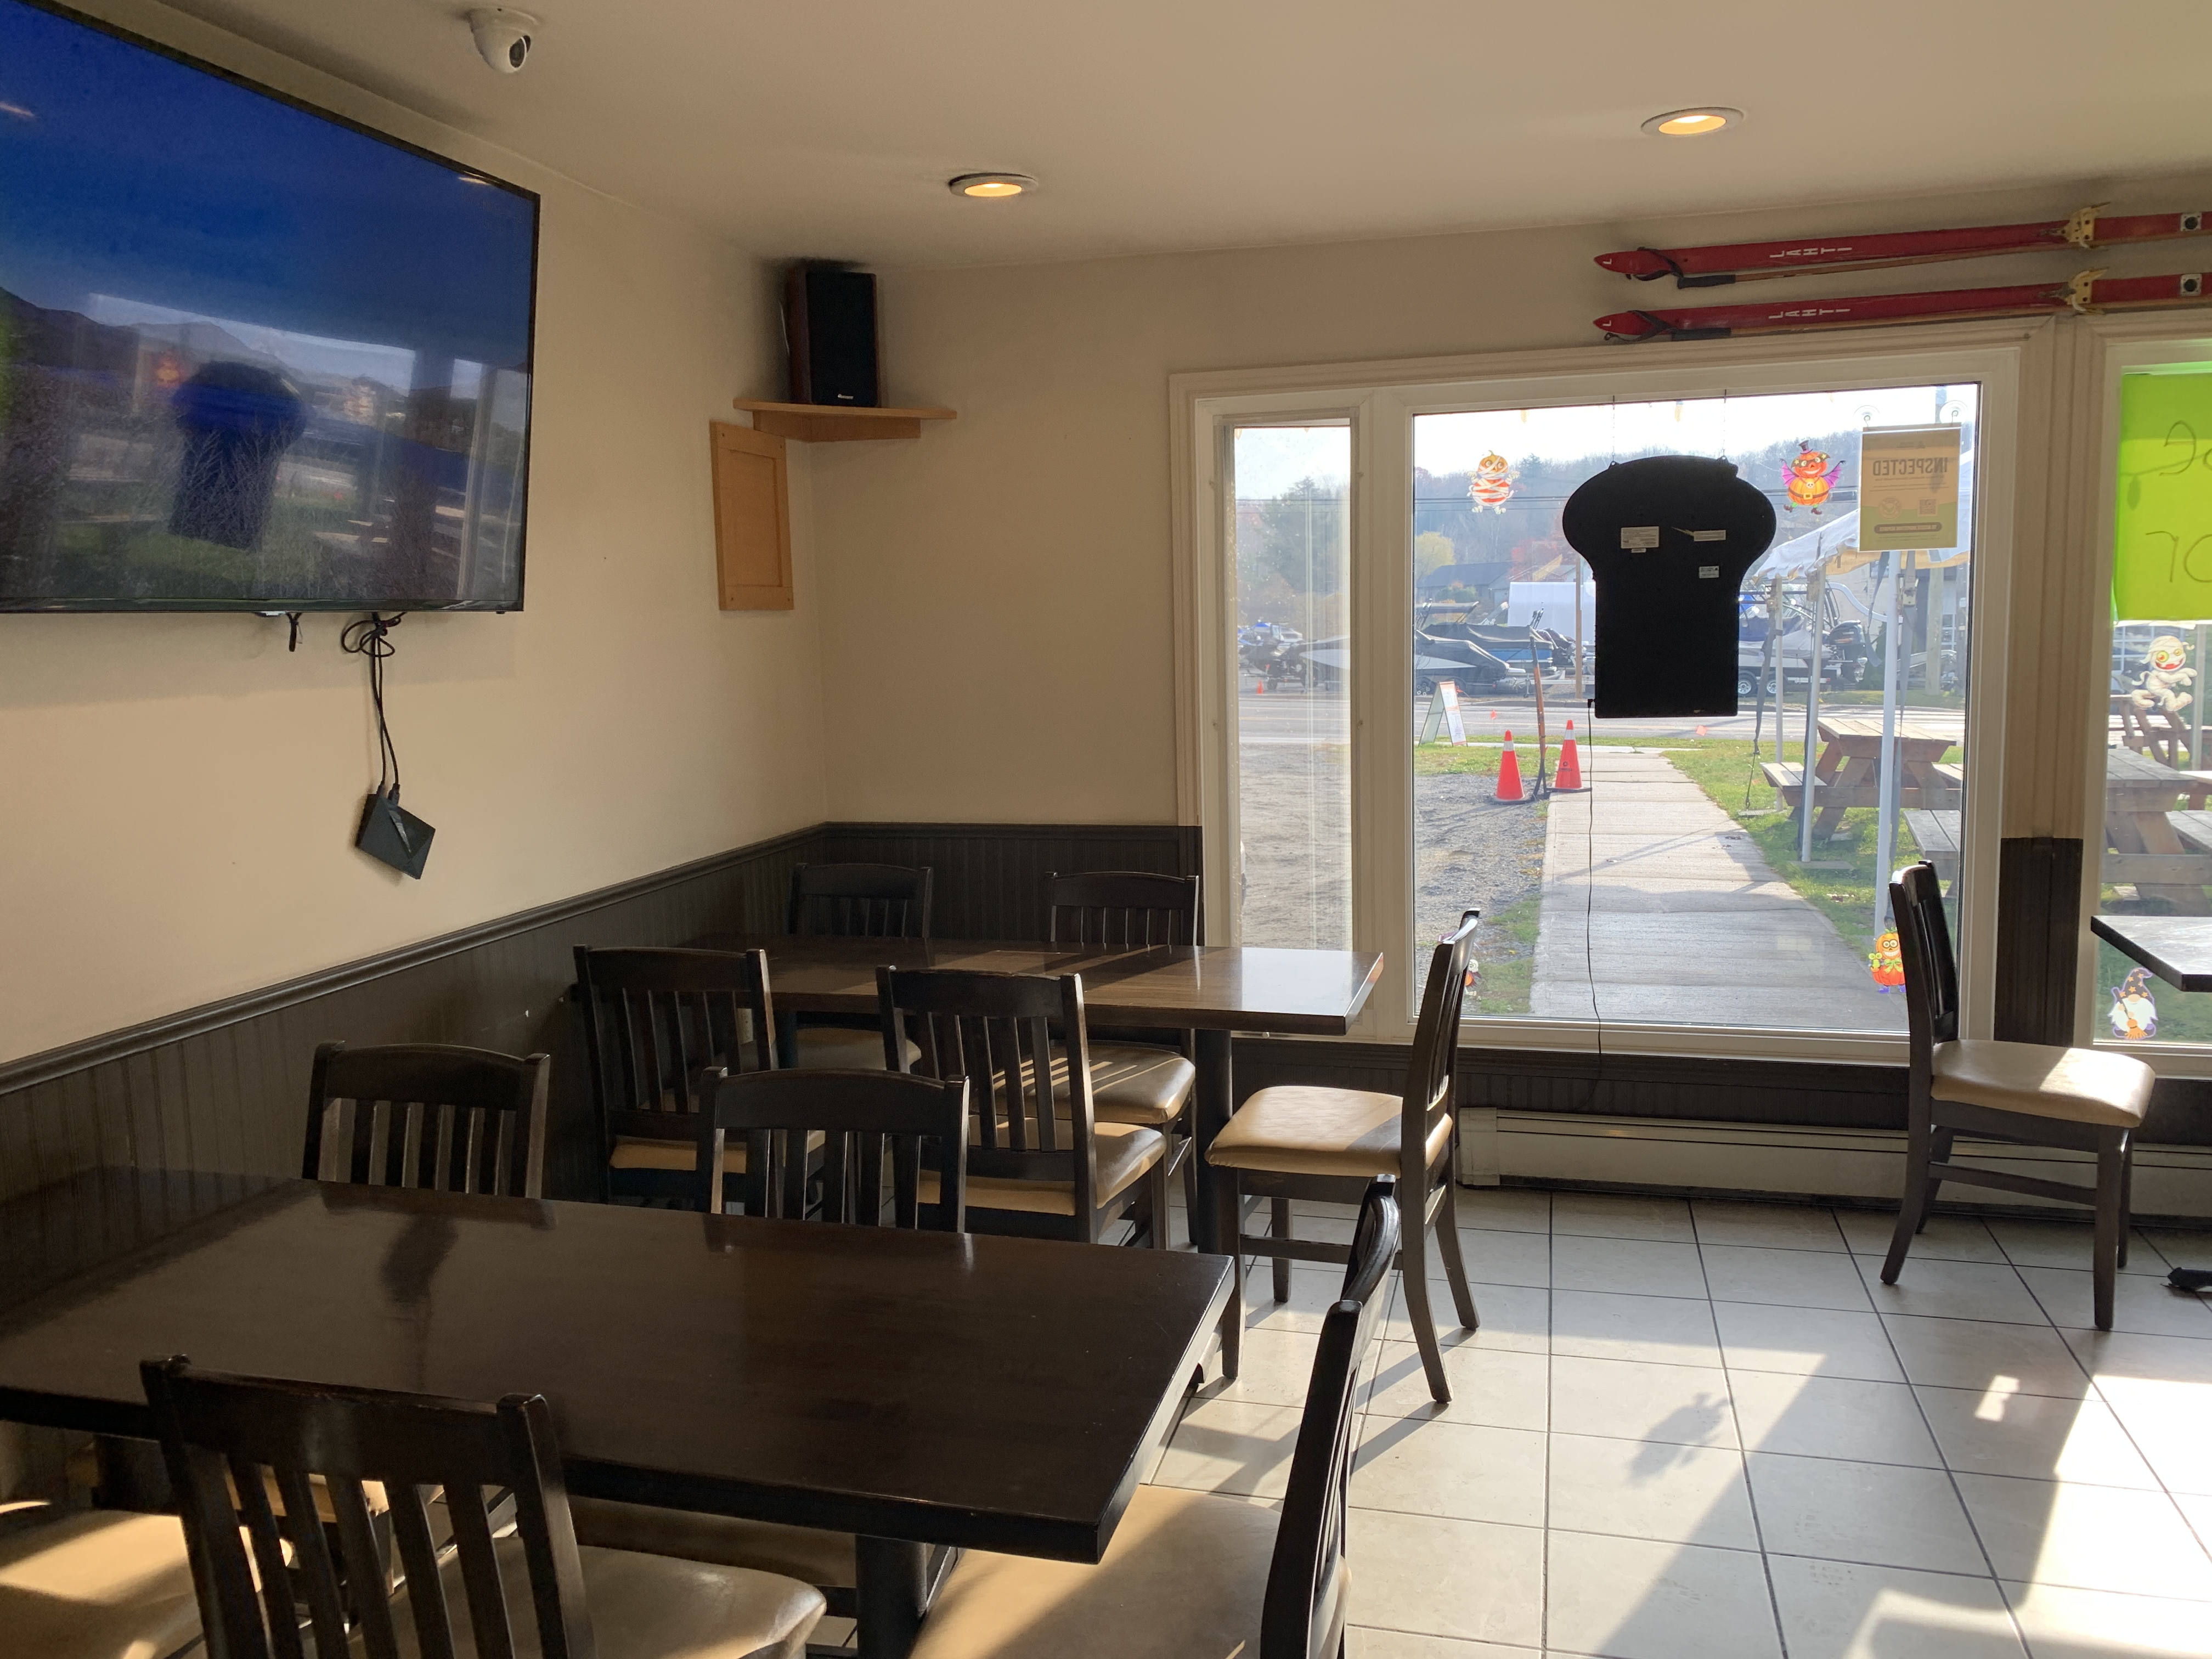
1707, 1430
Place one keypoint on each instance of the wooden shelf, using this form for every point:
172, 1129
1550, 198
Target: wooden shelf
837, 423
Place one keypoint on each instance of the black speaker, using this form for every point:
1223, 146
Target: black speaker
830, 320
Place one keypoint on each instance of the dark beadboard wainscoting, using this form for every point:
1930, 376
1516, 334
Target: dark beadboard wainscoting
222, 1088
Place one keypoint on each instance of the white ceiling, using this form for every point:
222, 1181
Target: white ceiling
828, 127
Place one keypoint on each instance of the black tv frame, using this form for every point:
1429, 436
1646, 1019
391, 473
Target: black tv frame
284, 607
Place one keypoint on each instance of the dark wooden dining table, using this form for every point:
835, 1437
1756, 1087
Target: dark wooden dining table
1213, 991
2177, 949
915, 1388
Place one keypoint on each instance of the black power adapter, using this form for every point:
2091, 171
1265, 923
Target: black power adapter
388, 833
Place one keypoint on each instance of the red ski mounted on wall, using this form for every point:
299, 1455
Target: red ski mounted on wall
1751, 261
2091, 291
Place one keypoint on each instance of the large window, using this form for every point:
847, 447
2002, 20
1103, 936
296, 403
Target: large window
2154, 855
1379, 594
1688, 876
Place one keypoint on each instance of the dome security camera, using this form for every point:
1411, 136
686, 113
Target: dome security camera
503, 36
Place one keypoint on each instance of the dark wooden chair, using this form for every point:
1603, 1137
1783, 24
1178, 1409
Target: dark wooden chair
1040, 1162
1193, 1575
429, 1114
1137, 1075
94, 1584
1297, 1142
852, 1130
2028, 1093
849, 901
654, 1022
859, 900
264, 1581
1122, 909
853, 1113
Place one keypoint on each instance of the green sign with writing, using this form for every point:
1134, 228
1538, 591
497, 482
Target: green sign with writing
2162, 521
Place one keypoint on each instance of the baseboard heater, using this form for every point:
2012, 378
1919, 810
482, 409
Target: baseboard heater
1500, 1146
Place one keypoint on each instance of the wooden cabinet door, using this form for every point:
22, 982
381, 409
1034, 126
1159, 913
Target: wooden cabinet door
752, 518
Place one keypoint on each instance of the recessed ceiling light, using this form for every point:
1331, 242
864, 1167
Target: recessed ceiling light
990, 186
1694, 123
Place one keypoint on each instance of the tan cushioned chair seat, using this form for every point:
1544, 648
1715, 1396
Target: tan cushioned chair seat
648, 1607
835, 1048
2078, 1085
1135, 1082
631, 1153
1125, 1151
372, 1492
103, 1585
1130, 1083
1295, 1129
806, 1553
1186, 1578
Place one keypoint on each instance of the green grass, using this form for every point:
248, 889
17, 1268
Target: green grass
1502, 986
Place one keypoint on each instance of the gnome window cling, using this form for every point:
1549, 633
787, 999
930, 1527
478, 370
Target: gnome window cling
2134, 1012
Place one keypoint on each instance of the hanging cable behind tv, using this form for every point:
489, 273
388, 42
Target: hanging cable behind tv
388, 833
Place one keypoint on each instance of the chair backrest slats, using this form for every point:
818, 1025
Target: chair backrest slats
429, 1115
656, 1020
855, 1112
358, 1541
225, 1439
244, 1479
464, 1508
310, 1554
1931, 972
1122, 910
1303, 1614
995, 1030
418, 1557
859, 900
1430, 1065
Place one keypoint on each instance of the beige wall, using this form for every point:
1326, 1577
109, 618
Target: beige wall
997, 598
178, 795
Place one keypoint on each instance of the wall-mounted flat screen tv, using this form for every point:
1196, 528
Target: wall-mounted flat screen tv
252, 356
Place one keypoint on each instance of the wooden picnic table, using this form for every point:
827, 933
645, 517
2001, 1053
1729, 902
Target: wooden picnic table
2145, 835
1848, 773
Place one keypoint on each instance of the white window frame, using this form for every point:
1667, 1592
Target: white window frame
2113, 346
1379, 400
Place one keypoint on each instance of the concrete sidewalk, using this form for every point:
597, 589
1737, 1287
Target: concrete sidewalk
1660, 909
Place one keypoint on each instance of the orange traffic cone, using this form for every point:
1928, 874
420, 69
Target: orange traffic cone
1261, 689
1509, 774
1570, 775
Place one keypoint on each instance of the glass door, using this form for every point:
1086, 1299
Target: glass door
1292, 658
